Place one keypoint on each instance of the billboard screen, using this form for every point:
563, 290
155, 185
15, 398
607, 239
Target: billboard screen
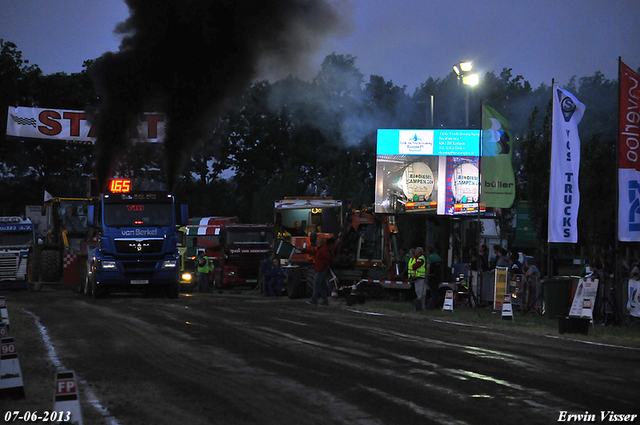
432, 171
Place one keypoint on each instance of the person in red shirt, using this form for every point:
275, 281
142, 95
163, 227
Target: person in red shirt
322, 261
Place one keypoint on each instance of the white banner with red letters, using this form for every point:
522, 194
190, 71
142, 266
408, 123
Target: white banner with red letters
58, 125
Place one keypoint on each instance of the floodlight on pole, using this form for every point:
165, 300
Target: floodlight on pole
462, 70
471, 80
466, 66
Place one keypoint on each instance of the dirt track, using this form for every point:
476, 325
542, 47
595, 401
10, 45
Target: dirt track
209, 359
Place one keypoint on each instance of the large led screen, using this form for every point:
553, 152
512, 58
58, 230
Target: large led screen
432, 171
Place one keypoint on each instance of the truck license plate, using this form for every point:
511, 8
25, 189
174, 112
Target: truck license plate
139, 281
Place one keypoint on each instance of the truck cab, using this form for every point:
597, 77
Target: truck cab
138, 243
16, 242
245, 246
301, 221
204, 233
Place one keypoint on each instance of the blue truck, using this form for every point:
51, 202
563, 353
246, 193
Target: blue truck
137, 244
16, 244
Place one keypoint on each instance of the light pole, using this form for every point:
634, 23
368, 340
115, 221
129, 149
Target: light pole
463, 70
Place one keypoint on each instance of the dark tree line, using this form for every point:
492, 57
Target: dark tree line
293, 137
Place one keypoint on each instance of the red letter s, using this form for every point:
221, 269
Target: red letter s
50, 127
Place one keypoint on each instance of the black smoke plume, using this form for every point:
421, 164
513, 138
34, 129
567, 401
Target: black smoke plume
186, 58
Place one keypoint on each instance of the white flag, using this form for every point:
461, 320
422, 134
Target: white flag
564, 196
47, 196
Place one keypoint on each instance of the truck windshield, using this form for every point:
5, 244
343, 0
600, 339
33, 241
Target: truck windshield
137, 214
301, 221
16, 238
72, 215
238, 236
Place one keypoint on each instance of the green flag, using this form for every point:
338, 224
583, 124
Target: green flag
498, 182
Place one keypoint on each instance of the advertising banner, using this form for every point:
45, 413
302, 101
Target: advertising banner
629, 156
427, 171
564, 196
633, 300
57, 125
500, 286
498, 181
585, 298
462, 176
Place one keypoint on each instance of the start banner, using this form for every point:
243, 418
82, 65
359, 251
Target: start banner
59, 125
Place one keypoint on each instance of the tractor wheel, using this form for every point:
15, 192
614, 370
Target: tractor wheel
33, 272
311, 275
88, 289
377, 273
51, 269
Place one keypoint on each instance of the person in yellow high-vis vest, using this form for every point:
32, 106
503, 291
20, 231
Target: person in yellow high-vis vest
205, 266
419, 267
411, 274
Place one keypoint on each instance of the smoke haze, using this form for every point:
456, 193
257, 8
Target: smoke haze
187, 57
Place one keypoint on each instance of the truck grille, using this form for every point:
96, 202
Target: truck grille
8, 266
139, 269
134, 246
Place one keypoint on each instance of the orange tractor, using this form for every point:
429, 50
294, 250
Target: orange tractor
365, 252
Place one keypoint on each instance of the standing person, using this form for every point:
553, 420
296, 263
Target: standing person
321, 264
503, 258
515, 267
635, 270
434, 264
495, 258
532, 276
476, 261
484, 255
204, 269
265, 267
419, 267
403, 263
411, 274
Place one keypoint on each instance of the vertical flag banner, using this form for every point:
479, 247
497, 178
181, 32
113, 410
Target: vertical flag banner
498, 181
564, 196
629, 156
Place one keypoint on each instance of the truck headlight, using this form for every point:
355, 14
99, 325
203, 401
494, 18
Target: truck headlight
186, 277
169, 264
108, 265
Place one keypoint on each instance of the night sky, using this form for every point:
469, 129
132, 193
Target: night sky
406, 41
